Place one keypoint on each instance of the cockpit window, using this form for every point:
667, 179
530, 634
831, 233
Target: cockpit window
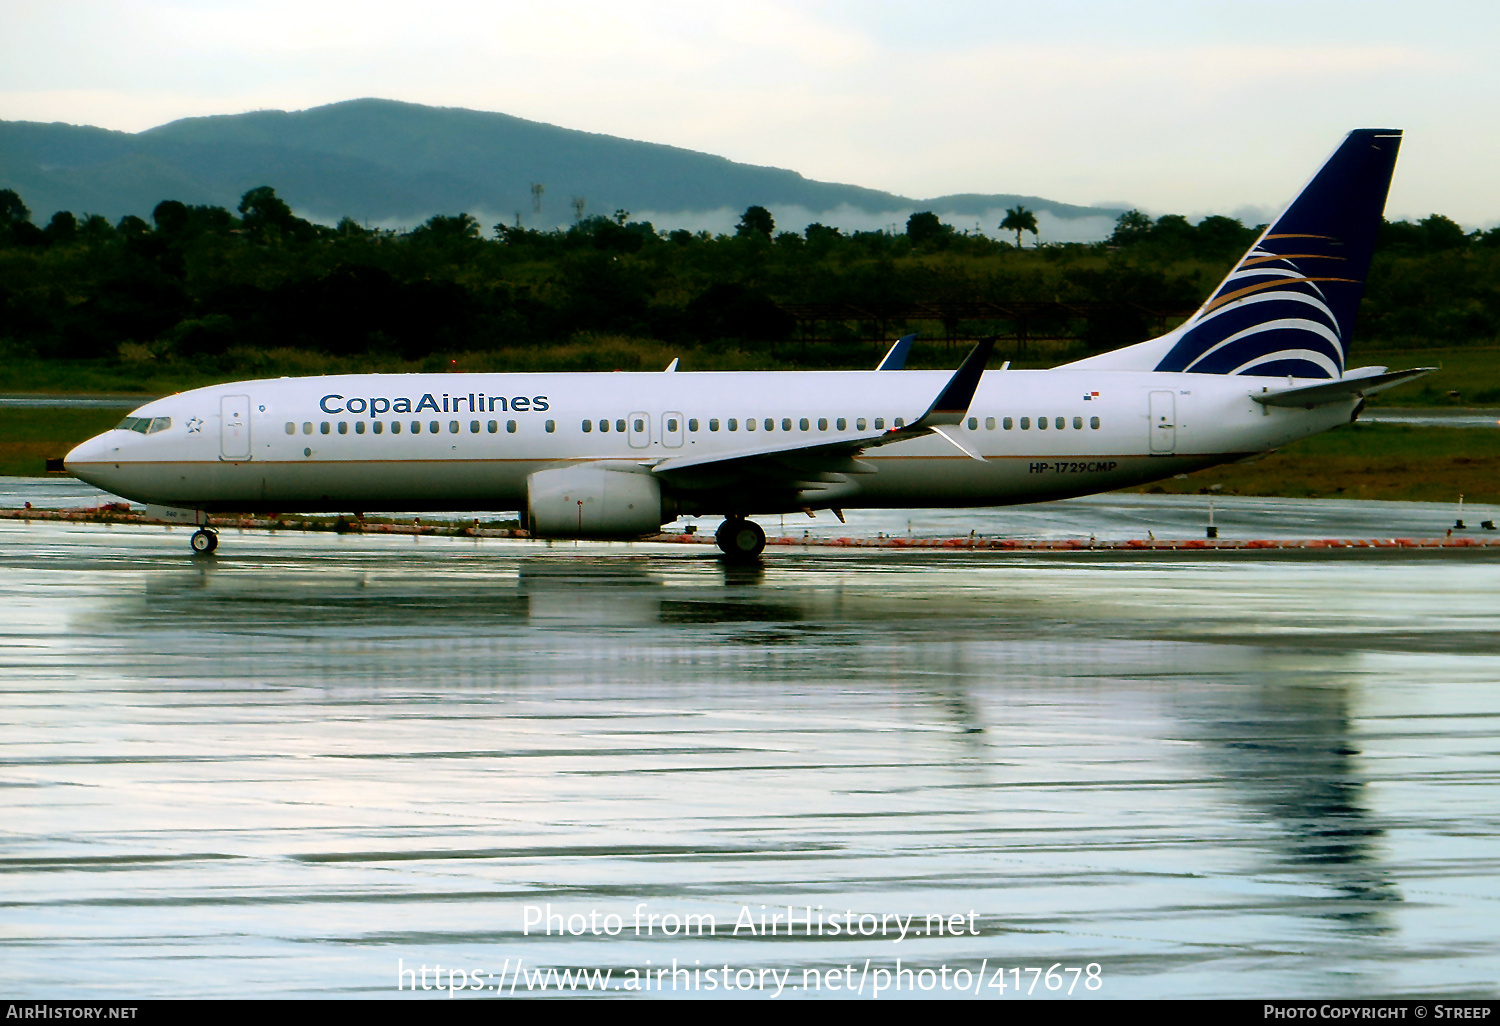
145, 425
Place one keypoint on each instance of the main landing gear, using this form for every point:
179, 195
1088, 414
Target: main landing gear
740, 539
204, 541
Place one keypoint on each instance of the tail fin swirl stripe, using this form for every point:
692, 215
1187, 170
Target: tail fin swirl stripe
1288, 307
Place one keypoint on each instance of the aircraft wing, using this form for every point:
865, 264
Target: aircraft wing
805, 464
1356, 386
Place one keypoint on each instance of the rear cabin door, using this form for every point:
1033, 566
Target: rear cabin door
234, 413
1163, 422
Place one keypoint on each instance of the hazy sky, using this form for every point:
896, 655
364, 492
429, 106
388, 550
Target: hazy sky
1193, 107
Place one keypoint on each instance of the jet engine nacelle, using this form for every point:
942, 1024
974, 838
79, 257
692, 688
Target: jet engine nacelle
593, 502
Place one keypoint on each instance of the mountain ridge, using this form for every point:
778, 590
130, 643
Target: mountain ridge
387, 161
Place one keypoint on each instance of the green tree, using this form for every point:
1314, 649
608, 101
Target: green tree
442, 228
821, 234
267, 214
12, 210
1018, 219
62, 229
756, 222
171, 217
1218, 235
925, 231
1443, 233
1131, 227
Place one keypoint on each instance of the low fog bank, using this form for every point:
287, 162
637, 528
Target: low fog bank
722, 220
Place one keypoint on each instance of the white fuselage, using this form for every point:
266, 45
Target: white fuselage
470, 441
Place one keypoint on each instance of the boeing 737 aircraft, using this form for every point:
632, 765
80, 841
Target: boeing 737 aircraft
613, 455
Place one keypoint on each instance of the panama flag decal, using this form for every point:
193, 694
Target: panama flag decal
1090, 395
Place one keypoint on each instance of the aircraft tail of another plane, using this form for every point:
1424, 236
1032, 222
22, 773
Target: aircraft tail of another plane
1288, 306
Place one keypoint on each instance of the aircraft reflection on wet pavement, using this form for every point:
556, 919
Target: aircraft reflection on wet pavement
1260, 793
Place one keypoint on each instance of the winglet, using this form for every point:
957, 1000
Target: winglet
895, 357
952, 402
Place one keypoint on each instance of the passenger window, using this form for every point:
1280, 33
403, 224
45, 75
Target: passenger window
434, 427
291, 428
343, 427
396, 427
749, 423
493, 426
692, 425
359, 427
550, 426
510, 427
1025, 423
973, 423
822, 423
473, 427
671, 424
900, 422
307, 427
859, 425
378, 426
734, 425
879, 423
324, 428
604, 426
1060, 423
841, 424
452, 427
640, 425
713, 423
989, 423
1041, 423
588, 427
1077, 423
620, 425
1094, 423
1007, 423
416, 427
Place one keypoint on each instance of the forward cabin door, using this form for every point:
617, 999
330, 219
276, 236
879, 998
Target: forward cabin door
234, 419
1163, 422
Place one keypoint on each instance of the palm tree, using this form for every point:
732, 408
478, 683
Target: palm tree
1018, 219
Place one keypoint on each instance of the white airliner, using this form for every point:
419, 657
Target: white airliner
603, 455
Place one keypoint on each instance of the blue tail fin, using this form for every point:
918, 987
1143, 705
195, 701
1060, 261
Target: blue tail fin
1288, 306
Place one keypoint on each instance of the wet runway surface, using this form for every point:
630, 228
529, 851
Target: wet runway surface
297, 766
1110, 517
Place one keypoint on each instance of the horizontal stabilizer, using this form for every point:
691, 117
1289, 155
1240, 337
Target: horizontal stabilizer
1339, 391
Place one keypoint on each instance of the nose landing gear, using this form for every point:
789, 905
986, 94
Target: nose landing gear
740, 539
204, 541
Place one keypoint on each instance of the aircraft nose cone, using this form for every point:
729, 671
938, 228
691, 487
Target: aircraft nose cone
87, 460
91, 451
